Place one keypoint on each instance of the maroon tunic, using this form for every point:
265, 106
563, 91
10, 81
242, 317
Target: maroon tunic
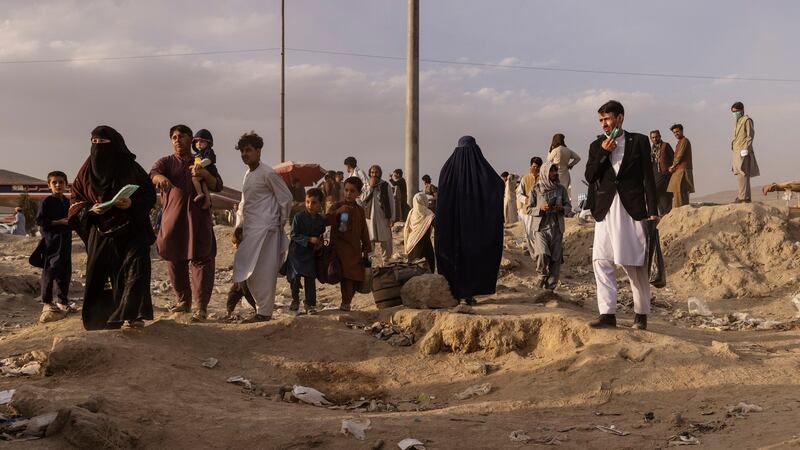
187, 230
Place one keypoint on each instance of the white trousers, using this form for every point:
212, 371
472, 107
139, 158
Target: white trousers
264, 279
606, 277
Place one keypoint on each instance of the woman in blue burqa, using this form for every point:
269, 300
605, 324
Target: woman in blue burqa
469, 222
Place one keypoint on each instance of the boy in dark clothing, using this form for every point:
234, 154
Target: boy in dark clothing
204, 156
306, 236
54, 252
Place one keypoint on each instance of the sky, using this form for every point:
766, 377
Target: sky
340, 105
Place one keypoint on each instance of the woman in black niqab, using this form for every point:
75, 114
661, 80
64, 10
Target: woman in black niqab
469, 222
118, 239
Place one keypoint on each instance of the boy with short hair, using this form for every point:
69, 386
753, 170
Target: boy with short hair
350, 238
204, 156
308, 227
54, 252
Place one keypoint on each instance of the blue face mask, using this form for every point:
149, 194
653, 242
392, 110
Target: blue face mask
738, 114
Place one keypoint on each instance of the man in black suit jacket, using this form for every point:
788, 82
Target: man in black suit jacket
622, 197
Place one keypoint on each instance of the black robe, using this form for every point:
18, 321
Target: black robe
469, 222
117, 242
54, 252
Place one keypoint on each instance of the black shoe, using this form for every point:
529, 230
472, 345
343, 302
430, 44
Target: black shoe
256, 318
295, 305
639, 322
604, 321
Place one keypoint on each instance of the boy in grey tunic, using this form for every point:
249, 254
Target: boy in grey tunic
547, 208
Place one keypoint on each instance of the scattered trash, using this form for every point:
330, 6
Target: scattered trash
611, 429
683, 439
601, 413
698, 307
6, 396
378, 445
27, 364
410, 443
29, 369
474, 391
519, 436
649, 416
21, 429
241, 381
210, 363
310, 396
364, 405
355, 427
390, 333
737, 321
743, 409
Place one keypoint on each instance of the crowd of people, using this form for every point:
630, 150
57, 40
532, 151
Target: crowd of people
457, 227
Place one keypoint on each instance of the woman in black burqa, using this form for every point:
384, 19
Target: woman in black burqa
469, 222
118, 239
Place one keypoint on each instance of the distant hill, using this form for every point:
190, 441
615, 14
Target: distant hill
725, 197
9, 177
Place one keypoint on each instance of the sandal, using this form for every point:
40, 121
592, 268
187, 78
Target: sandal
198, 316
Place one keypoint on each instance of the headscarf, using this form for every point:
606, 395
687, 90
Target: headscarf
107, 161
469, 222
418, 222
544, 185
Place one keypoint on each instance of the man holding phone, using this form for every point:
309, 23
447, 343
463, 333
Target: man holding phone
622, 198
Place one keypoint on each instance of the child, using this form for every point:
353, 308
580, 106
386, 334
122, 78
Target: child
308, 226
547, 207
350, 238
54, 253
204, 156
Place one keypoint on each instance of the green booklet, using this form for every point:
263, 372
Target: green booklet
125, 192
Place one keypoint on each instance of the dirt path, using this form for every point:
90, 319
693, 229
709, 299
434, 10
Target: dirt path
549, 374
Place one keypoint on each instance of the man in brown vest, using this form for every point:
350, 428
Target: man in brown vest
661, 156
681, 183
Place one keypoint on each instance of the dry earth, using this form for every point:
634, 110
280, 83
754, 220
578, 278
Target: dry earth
550, 375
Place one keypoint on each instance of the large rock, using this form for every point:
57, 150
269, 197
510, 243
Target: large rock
427, 291
75, 355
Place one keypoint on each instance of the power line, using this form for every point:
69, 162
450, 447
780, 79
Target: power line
118, 58
401, 58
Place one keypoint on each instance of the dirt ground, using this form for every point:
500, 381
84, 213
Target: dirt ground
550, 375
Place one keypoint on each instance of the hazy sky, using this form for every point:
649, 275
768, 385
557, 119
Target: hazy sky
345, 105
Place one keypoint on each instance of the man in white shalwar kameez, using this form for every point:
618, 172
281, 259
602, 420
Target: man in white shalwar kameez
259, 237
622, 198
523, 191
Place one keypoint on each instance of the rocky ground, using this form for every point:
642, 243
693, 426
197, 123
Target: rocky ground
519, 369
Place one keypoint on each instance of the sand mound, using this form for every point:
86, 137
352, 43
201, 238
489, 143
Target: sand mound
731, 250
72, 355
746, 250
495, 335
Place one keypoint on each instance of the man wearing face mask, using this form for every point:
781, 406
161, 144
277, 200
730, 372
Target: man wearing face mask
744, 159
622, 198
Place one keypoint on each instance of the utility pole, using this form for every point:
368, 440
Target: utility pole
283, 81
412, 101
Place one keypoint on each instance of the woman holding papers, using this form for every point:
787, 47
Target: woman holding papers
117, 235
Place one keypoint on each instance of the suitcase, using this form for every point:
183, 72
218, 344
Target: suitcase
388, 280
